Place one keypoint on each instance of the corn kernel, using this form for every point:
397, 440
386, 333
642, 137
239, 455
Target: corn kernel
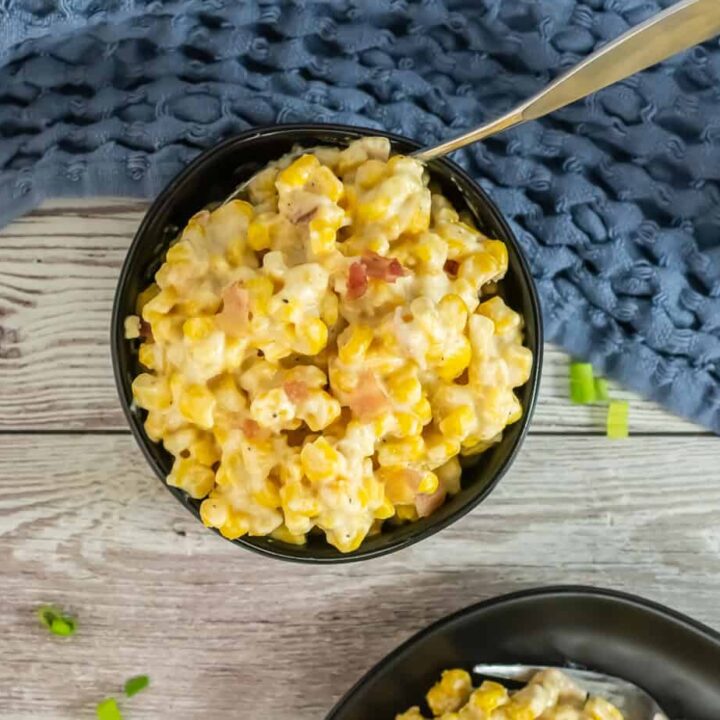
228, 395
370, 173
516, 410
161, 304
406, 425
298, 172
155, 425
197, 405
400, 452
499, 251
453, 311
420, 219
214, 511
272, 409
440, 448
455, 359
147, 356
258, 233
235, 250
218, 264
311, 337
205, 451
284, 535
299, 499
407, 513
263, 183
519, 361
373, 210
385, 510
319, 410
325, 182
195, 479
423, 410
450, 475
429, 483
180, 252
489, 696
320, 461
329, 308
504, 319
268, 495
459, 423
198, 328
404, 386
384, 424
345, 541
322, 237
151, 392
450, 692
145, 297
235, 526
353, 343
167, 329
232, 216
517, 711
132, 327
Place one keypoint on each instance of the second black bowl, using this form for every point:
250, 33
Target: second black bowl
210, 178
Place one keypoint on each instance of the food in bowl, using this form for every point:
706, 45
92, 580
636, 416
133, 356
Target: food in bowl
319, 356
550, 695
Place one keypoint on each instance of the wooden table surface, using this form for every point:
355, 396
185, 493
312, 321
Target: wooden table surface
227, 634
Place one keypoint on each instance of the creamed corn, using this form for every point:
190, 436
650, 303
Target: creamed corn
550, 695
318, 356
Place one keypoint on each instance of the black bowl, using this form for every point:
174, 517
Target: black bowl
210, 178
670, 656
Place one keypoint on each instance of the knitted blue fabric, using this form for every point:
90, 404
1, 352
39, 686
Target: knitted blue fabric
615, 200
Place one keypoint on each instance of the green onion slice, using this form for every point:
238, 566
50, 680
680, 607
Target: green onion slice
617, 420
582, 383
57, 623
135, 684
108, 709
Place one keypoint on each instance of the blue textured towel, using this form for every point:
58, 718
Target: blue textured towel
616, 199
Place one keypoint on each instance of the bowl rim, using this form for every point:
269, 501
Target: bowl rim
549, 591
117, 338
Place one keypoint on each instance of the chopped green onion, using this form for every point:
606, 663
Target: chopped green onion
601, 390
55, 621
617, 420
62, 626
108, 709
135, 684
582, 383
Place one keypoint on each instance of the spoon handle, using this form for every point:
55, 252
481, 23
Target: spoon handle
681, 26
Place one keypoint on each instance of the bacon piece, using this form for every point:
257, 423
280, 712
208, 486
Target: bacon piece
233, 317
296, 390
368, 399
427, 503
451, 267
357, 281
252, 430
145, 330
382, 268
374, 266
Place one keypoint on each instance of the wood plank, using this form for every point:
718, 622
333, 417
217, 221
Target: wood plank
224, 633
57, 279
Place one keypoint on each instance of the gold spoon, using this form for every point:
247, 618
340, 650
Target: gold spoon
681, 26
